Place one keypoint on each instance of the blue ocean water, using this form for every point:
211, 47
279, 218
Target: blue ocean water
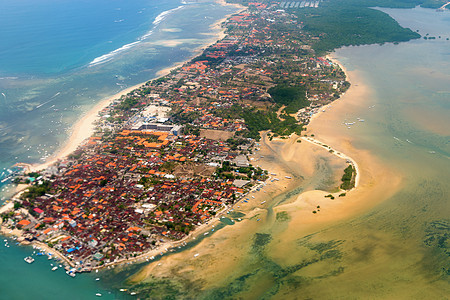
49, 36
58, 58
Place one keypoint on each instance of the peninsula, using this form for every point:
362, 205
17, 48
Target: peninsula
173, 154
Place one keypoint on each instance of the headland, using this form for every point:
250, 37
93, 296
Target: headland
146, 180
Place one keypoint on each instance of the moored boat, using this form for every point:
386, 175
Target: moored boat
29, 259
71, 272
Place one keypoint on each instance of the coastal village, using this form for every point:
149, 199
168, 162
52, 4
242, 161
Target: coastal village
174, 153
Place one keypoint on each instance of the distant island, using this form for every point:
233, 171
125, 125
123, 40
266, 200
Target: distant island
171, 155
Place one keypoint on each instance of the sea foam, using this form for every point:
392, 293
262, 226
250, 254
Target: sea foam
108, 57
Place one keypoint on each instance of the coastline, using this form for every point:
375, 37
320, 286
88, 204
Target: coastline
374, 183
84, 128
225, 251
338, 154
373, 177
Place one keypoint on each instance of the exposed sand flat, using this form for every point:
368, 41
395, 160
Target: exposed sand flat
338, 154
225, 251
230, 250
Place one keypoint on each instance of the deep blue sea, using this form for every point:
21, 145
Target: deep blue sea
58, 58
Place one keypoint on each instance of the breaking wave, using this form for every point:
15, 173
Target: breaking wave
108, 57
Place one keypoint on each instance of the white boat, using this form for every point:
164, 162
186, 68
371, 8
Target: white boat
29, 259
54, 268
132, 293
71, 272
288, 177
98, 295
97, 279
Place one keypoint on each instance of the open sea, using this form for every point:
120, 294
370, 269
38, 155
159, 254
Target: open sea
58, 58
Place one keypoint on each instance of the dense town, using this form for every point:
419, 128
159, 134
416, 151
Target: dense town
173, 154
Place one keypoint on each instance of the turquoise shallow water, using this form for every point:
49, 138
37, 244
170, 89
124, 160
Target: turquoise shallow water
57, 60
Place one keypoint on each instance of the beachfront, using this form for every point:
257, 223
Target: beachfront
133, 165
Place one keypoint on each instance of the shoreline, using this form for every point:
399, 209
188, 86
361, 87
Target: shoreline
338, 154
253, 207
84, 128
374, 183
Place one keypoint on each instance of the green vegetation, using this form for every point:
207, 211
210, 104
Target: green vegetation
36, 191
330, 196
294, 98
257, 120
127, 104
348, 179
352, 22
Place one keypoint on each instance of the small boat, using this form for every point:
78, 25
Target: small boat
54, 268
123, 290
29, 259
133, 293
195, 255
71, 273
97, 279
98, 295
288, 177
